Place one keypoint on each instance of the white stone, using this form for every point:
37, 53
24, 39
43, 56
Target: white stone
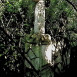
39, 23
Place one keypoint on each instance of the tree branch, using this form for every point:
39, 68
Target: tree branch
71, 4
37, 72
6, 34
19, 51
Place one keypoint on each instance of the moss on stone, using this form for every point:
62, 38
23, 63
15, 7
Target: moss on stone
38, 38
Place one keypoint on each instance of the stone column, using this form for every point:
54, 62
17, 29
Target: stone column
39, 24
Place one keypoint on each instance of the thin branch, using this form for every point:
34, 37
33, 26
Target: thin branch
9, 20
32, 66
71, 4
19, 51
7, 34
29, 62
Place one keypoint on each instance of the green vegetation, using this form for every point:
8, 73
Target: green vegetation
17, 20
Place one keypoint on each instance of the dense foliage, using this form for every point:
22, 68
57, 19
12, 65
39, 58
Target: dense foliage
17, 20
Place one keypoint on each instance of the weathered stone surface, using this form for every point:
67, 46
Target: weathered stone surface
36, 48
35, 56
42, 39
39, 23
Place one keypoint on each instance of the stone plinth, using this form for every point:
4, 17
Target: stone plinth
38, 50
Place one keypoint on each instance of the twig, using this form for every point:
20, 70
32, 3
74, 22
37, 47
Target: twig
7, 34
71, 4
32, 66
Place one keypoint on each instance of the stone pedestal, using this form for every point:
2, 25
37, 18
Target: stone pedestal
38, 49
